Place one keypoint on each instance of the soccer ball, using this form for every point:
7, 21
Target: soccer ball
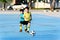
32, 32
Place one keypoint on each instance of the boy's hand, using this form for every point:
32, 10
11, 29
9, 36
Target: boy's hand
21, 17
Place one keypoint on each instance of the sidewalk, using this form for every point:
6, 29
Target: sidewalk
47, 12
44, 12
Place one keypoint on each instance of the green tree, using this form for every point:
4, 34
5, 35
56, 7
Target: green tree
4, 3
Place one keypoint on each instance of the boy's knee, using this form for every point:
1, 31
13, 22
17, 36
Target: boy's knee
20, 24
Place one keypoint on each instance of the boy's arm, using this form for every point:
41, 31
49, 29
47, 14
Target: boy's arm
21, 16
30, 16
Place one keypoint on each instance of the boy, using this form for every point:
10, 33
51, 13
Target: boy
21, 19
27, 18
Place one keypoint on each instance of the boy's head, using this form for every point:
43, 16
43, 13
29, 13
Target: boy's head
21, 10
26, 9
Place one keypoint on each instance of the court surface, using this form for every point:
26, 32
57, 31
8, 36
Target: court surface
46, 27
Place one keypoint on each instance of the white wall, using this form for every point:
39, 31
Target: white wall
43, 5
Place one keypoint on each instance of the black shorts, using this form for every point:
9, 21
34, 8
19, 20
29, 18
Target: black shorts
24, 22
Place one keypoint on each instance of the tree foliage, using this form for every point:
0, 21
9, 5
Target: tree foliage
3, 1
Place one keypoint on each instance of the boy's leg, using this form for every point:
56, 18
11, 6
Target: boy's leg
20, 27
25, 27
28, 27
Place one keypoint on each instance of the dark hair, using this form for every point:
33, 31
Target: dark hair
27, 8
22, 10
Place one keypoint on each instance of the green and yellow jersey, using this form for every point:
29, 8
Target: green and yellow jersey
27, 16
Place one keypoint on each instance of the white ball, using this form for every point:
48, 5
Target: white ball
32, 33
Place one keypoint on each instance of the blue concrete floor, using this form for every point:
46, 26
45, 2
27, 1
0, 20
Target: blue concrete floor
46, 27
